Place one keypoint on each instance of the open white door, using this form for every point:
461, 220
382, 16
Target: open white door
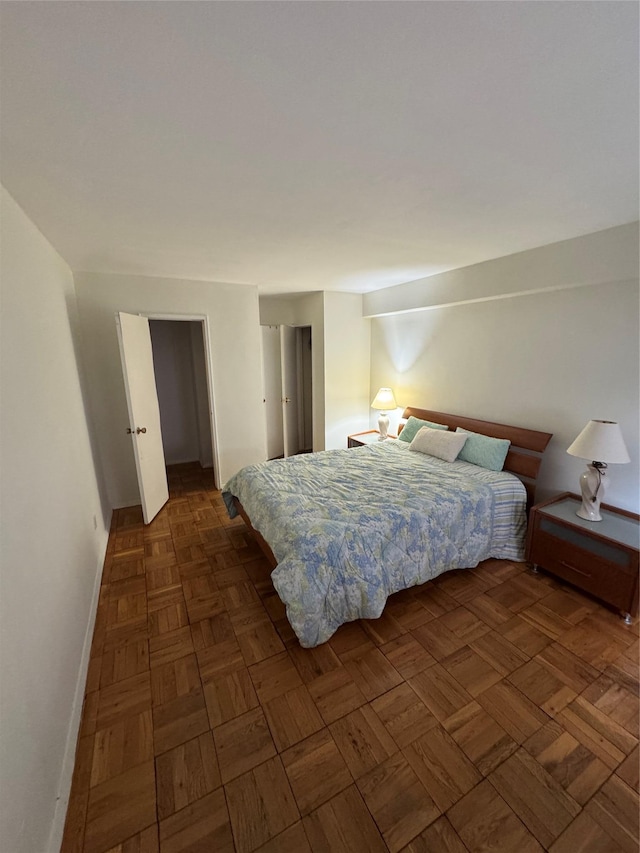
288, 357
144, 413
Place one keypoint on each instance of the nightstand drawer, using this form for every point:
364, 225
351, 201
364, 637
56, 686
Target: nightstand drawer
595, 549
584, 569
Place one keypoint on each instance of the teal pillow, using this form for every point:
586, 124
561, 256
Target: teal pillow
484, 451
413, 425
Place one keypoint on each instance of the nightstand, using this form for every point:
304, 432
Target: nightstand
599, 557
358, 439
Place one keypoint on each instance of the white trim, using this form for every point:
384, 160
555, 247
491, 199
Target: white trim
69, 758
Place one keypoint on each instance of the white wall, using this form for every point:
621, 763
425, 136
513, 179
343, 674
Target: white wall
175, 383
234, 329
346, 360
51, 553
550, 360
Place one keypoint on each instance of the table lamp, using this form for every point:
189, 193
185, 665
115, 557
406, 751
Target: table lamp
601, 441
384, 401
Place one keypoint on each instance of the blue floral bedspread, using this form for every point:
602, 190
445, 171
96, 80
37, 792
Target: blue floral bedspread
350, 527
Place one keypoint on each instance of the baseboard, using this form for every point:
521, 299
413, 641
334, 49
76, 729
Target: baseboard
66, 775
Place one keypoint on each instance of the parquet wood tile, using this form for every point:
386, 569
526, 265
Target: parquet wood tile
292, 840
312, 663
165, 648
502, 698
489, 611
499, 652
342, 825
409, 613
603, 736
201, 826
243, 743
167, 618
471, 671
480, 737
443, 768
407, 655
440, 692
178, 721
524, 636
540, 802
542, 687
570, 763
185, 774
142, 842
316, 770
398, 801
629, 770
123, 699
172, 680
403, 714
615, 808
120, 807
229, 695
484, 822
292, 717
124, 661
517, 715
584, 835
440, 836
264, 792
336, 694
350, 641
437, 639
121, 746
464, 624
363, 740
373, 674
616, 700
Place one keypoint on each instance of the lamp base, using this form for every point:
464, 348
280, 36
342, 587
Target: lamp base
592, 486
383, 426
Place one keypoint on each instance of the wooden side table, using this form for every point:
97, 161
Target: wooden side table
598, 557
370, 436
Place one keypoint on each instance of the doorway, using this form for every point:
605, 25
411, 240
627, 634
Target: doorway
183, 395
287, 389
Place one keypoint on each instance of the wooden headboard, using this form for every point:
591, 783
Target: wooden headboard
527, 445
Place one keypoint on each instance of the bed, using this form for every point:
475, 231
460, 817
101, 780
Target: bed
344, 529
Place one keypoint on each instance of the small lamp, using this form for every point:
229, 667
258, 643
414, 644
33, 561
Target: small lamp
385, 401
602, 441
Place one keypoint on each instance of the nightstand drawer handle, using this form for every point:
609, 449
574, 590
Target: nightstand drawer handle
573, 569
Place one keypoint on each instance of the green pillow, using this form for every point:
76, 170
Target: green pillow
484, 451
413, 425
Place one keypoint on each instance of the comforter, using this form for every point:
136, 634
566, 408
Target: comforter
350, 527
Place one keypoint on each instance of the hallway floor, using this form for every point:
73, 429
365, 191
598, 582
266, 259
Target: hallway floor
492, 709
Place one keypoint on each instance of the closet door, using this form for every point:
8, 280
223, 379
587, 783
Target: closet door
289, 361
272, 390
144, 413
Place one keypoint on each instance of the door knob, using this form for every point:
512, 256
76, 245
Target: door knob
141, 429
286, 399
129, 430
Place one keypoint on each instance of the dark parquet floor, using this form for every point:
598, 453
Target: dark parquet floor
491, 709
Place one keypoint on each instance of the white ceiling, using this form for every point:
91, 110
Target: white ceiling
317, 145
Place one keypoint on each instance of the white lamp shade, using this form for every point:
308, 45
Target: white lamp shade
600, 441
384, 400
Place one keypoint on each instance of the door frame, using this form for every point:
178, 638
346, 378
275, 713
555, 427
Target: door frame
206, 336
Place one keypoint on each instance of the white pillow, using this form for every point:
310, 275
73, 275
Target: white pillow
438, 443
